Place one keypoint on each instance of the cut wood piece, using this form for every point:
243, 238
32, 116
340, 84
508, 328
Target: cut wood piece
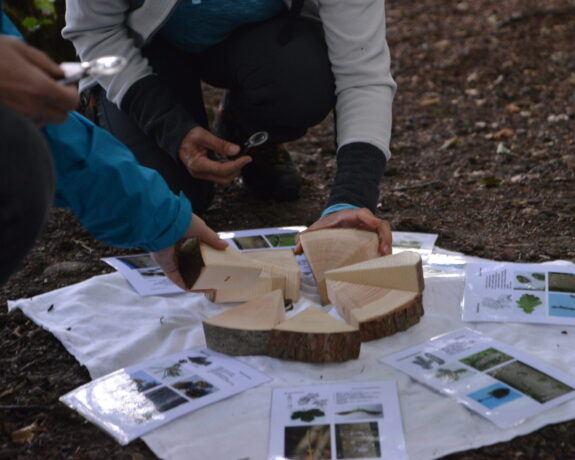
205, 268
349, 296
245, 329
401, 271
328, 249
264, 284
280, 262
314, 336
376, 312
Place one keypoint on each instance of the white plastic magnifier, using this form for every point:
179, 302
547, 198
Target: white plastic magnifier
254, 140
105, 65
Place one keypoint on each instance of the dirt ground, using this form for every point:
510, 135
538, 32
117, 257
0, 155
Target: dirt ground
484, 155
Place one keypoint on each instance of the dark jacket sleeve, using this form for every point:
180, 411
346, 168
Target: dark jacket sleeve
360, 167
158, 112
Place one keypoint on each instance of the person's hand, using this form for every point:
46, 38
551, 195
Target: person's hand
362, 219
28, 83
166, 258
194, 154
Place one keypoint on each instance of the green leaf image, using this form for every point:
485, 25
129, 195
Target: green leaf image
523, 279
538, 276
528, 302
307, 415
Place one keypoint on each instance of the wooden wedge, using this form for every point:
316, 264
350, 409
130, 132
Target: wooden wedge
245, 329
264, 284
401, 271
314, 336
282, 263
376, 312
329, 249
205, 268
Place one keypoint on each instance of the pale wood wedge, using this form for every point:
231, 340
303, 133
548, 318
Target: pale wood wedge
376, 312
264, 284
314, 336
280, 262
245, 329
401, 271
205, 268
328, 249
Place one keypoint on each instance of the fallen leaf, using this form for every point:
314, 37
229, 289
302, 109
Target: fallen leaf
557, 118
429, 101
450, 143
502, 149
505, 133
25, 434
513, 108
490, 182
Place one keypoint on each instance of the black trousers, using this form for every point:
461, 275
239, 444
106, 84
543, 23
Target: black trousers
281, 89
27, 182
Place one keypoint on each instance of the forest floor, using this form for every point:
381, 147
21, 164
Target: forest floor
483, 155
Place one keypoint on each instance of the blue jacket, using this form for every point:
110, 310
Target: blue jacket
120, 202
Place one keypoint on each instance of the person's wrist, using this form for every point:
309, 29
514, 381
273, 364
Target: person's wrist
338, 207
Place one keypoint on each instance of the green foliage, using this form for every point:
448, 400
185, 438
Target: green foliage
523, 279
46, 15
32, 24
46, 7
528, 302
538, 276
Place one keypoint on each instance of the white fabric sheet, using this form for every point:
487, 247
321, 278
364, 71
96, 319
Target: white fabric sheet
107, 326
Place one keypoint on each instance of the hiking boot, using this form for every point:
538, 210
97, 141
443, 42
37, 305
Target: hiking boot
271, 174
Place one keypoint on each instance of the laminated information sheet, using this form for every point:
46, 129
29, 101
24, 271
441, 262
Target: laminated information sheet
526, 293
143, 274
132, 401
495, 380
337, 421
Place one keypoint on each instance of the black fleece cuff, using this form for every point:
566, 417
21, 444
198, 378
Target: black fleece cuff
360, 166
158, 112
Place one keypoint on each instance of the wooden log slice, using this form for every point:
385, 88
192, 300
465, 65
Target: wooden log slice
376, 312
245, 329
205, 268
264, 284
328, 249
280, 262
401, 271
316, 337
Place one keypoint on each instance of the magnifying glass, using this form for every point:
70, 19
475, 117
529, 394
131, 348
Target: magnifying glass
256, 139
105, 65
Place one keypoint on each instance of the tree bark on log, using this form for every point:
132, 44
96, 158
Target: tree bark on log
314, 347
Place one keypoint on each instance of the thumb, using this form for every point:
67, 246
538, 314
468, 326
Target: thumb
220, 146
213, 240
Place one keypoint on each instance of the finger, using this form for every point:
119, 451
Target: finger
175, 277
385, 238
46, 114
219, 145
298, 247
218, 172
61, 97
41, 60
212, 239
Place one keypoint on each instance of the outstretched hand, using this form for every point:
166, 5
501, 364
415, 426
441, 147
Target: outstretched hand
166, 258
362, 219
194, 154
28, 83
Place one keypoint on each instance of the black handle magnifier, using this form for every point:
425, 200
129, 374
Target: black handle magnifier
256, 139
